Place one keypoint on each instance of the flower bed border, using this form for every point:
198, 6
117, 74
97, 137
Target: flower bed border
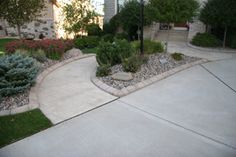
33, 96
130, 89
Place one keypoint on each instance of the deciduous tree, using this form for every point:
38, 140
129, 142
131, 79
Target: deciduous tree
19, 12
78, 15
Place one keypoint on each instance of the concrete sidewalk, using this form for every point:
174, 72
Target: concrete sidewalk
182, 47
68, 91
190, 114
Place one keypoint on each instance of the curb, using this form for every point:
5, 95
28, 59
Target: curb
33, 96
130, 89
216, 50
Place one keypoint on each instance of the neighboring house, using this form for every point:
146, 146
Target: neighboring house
179, 32
49, 24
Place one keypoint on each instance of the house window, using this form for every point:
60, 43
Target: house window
1, 27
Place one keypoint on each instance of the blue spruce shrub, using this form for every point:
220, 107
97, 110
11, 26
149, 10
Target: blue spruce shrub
17, 74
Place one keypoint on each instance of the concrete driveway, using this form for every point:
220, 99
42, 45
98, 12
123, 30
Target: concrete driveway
190, 114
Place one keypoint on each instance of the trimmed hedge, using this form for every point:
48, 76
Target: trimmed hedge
206, 40
17, 74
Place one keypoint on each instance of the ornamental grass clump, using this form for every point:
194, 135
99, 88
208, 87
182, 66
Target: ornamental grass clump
17, 74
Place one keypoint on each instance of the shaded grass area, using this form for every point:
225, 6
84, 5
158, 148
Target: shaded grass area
90, 50
4, 41
16, 127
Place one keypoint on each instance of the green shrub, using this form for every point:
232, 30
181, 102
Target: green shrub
17, 73
103, 70
122, 36
206, 40
177, 56
112, 26
150, 47
90, 50
132, 64
94, 30
108, 38
113, 53
87, 42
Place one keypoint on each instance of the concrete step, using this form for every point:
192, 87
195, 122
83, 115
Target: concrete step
175, 35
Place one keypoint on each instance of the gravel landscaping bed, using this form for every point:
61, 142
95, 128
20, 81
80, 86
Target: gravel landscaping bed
157, 64
21, 99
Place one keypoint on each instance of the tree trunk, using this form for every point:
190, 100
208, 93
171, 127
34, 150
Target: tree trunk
225, 37
19, 31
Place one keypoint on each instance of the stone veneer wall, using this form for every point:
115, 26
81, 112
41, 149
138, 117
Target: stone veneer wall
35, 28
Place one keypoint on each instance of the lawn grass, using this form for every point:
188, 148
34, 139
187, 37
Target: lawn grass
16, 127
3, 41
90, 50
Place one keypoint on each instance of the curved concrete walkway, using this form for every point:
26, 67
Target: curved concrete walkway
182, 47
68, 91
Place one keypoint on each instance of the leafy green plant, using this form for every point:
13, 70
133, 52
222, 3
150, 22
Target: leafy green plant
87, 42
17, 74
206, 40
108, 38
94, 30
177, 56
122, 36
103, 70
77, 15
132, 64
113, 53
150, 47
90, 50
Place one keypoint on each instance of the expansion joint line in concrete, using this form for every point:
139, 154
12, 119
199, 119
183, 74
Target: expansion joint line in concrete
180, 126
218, 78
87, 111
